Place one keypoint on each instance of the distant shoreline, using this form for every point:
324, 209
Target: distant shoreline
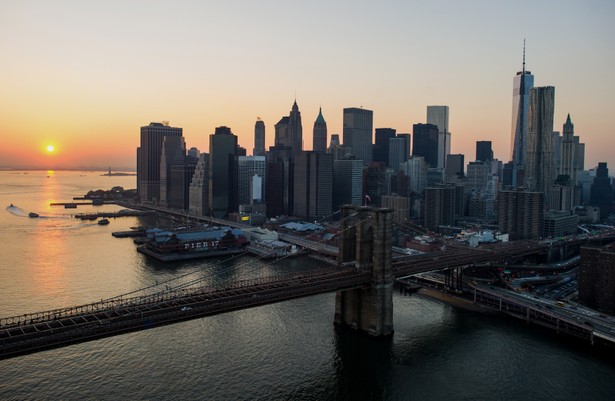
89, 170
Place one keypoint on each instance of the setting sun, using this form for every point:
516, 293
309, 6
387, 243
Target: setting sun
50, 148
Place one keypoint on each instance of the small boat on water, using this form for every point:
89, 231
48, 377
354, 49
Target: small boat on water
70, 206
33, 215
103, 222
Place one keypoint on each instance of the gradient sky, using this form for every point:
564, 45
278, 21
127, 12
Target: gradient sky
85, 75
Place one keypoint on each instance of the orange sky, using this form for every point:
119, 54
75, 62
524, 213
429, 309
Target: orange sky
84, 77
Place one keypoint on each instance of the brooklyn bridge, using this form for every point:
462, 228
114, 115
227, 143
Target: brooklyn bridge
363, 281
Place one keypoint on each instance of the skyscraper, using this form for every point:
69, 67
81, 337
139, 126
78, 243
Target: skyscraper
347, 183
251, 170
425, 143
199, 187
522, 83
484, 153
222, 149
313, 185
358, 126
568, 164
381, 145
601, 194
259, 138
520, 214
319, 143
438, 116
539, 169
397, 152
148, 156
173, 182
289, 131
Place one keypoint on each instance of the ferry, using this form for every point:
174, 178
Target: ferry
167, 245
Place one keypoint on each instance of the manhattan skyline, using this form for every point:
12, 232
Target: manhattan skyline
85, 77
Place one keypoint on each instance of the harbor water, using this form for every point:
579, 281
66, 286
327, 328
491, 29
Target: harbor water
285, 351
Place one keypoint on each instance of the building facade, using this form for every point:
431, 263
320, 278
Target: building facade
539, 167
521, 214
148, 157
313, 185
522, 83
425, 143
222, 179
438, 116
597, 278
259, 138
320, 133
358, 127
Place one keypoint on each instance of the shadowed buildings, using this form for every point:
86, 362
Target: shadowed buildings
259, 138
347, 183
425, 143
289, 131
484, 153
320, 133
438, 116
522, 83
521, 214
381, 145
148, 159
199, 187
358, 126
313, 185
539, 168
222, 151
601, 194
597, 277
174, 179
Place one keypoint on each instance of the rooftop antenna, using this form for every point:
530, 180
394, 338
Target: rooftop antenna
524, 55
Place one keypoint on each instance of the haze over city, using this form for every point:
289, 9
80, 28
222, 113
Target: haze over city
83, 77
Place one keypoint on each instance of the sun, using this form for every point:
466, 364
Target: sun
50, 148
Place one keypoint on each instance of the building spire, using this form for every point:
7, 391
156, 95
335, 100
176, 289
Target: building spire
524, 55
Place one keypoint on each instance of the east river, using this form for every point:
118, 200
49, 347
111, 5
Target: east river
286, 351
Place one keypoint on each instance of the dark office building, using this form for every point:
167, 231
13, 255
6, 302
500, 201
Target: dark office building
521, 214
222, 172
274, 188
484, 153
425, 143
173, 170
358, 126
601, 194
148, 157
313, 176
439, 206
381, 146
284, 155
374, 178
597, 278
319, 143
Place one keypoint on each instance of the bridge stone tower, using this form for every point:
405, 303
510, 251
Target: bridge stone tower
366, 239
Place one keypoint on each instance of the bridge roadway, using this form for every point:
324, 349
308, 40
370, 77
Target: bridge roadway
50, 329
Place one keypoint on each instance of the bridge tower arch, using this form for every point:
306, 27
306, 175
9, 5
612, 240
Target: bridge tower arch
366, 241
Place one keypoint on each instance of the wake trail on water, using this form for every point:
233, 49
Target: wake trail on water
16, 211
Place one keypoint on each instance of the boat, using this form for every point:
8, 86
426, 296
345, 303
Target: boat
70, 206
103, 222
32, 214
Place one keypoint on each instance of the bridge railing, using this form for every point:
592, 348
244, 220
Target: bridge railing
168, 294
